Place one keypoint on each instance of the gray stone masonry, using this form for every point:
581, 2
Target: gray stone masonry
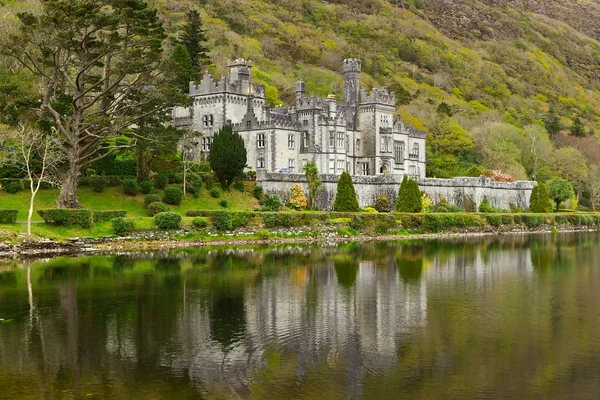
462, 192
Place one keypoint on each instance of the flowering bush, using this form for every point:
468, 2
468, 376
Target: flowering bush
297, 200
498, 176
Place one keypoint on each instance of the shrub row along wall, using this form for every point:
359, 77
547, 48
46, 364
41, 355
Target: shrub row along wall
466, 193
386, 222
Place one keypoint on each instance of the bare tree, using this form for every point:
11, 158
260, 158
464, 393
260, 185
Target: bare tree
32, 147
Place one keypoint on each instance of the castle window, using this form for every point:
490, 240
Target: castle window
340, 166
399, 152
205, 143
260, 140
208, 121
357, 145
412, 170
331, 139
415, 151
385, 144
305, 122
305, 139
340, 140
332, 166
363, 168
291, 141
291, 164
260, 162
248, 124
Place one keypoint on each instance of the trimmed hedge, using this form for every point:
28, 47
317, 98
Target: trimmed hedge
151, 198
8, 216
146, 187
161, 181
168, 220
67, 216
121, 226
173, 196
200, 222
130, 187
156, 208
107, 215
98, 183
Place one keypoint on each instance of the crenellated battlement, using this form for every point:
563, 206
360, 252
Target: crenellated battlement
308, 103
352, 65
378, 96
208, 85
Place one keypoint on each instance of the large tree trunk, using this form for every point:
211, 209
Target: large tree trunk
68, 189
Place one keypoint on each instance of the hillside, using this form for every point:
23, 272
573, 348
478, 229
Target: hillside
503, 66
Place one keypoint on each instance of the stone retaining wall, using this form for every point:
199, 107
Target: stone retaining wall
466, 193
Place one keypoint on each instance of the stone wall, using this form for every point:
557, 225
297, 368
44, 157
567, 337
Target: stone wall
466, 193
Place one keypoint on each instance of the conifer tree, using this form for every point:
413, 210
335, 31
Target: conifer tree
539, 201
193, 37
577, 129
183, 71
345, 198
409, 197
227, 156
552, 122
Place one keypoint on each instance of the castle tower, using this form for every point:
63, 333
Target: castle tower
300, 90
239, 69
352, 69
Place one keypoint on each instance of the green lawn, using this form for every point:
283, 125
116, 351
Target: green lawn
110, 199
113, 199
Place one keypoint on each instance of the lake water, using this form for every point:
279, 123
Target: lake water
513, 317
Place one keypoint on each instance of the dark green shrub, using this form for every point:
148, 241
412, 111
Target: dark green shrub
382, 203
97, 183
273, 203
173, 196
161, 181
146, 187
196, 213
533, 221
151, 198
114, 180
268, 220
485, 206
463, 220
224, 203
221, 220
199, 222
215, 192
67, 216
587, 220
257, 192
410, 221
445, 207
176, 178
438, 222
130, 187
156, 208
107, 215
193, 183
507, 220
240, 186
494, 220
345, 198
13, 187
239, 218
409, 197
357, 222
574, 219
122, 226
167, 220
561, 220
539, 202
8, 216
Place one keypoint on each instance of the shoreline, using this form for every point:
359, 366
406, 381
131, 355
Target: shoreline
91, 246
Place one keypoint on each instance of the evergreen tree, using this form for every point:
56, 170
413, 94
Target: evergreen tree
577, 129
409, 197
313, 181
345, 198
552, 122
539, 201
444, 109
227, 156
194, 39
182, 70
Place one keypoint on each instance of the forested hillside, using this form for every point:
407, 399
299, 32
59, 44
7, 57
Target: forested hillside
509, 85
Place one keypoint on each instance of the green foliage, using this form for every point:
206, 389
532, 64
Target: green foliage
539, 202
200, 222
161, 181
450, 148
130, 187
409, 197
227, 156
13, 187
168, 220
577, 129
98, 183
485, 206
444, 109
240, 186
146, 187
257, 192
347, 232
494, 220
156, 208
67, 216
215, 192
370, 210
193, 183
182, 71
552, 122
273, 203
560, 190
122, 226
194, 39
383, 204
173, 196
357, 222
224, 203
345, 198
445, 207
107, 215
8, 216
151, 198
313, 182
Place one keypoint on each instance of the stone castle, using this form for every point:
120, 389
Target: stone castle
359, 135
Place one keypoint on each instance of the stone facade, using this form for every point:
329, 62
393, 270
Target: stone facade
359, 135
466, 193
